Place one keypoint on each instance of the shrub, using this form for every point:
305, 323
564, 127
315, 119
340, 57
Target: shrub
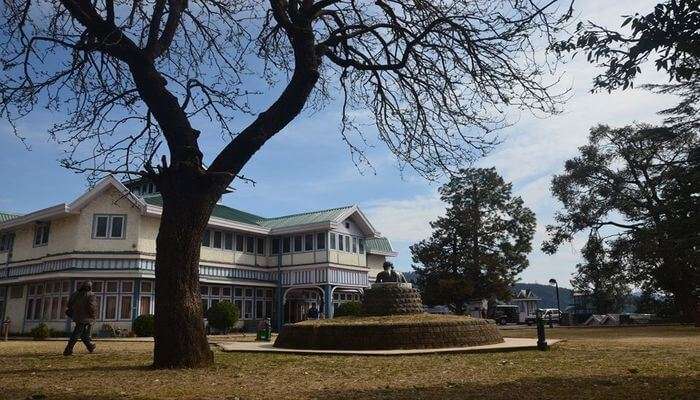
107, 330
40, 332
144, 325
223, 315
346, 309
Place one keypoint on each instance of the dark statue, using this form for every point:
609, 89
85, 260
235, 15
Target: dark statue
389, 274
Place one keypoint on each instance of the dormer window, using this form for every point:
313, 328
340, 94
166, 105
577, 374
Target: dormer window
106, 226
41, 234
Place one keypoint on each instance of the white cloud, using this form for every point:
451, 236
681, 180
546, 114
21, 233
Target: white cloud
405, 220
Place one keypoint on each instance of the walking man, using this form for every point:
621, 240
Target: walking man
82, 309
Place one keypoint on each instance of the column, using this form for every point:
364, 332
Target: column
328, 301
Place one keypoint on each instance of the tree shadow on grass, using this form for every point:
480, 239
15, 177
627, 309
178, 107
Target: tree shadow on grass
79, 368
613, 387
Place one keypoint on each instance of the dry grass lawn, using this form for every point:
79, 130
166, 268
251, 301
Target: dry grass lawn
604, 363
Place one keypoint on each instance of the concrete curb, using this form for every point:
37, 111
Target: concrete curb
510, 344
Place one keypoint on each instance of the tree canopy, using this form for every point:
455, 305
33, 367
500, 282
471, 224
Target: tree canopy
636, 188
481, 244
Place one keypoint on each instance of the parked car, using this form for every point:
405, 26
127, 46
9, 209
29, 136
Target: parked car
504, 314
444, 310
547, 314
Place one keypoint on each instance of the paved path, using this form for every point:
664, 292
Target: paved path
509, 344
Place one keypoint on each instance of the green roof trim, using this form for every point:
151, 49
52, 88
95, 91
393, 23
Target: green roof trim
378, 245
6, 216
232, 214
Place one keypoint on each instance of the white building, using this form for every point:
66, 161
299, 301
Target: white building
108, 235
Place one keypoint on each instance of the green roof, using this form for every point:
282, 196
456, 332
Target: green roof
380, 244
232, 214
6, 216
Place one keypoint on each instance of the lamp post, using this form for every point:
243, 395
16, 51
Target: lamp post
554, 282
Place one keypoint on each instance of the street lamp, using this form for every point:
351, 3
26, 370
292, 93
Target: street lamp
554, 282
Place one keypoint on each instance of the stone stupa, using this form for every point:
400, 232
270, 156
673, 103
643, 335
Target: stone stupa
393, 317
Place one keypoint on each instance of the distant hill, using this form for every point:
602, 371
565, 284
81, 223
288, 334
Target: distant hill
547, 294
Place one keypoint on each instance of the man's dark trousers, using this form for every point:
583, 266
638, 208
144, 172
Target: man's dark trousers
82, 332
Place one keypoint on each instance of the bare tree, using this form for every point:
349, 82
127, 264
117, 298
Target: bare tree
436, 76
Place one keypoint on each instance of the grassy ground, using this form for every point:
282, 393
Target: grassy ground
608, 363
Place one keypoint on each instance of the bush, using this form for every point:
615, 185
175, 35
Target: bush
346, 309
144, 325
40, 332
223, 315
107, 330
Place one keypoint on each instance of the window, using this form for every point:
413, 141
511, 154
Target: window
321, 241
145, 305
268, 309
228, 241
308, 242
362, 245
111, 307
16, 292
112, 286
41, 234
340, 242
6, 241
215, 291
248, 309
206, 238
217, 239
125, 311
347, 225
127, 286
259, 309
297, 243
354, 245
239, 243
347, 243
226, 291
258, 293
204, 290
108, 226
250, 244
275, 246
238, 292
332, 241
248, 292
261, 246
146, 286
286, 244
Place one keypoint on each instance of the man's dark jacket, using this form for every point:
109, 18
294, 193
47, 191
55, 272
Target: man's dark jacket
82, 307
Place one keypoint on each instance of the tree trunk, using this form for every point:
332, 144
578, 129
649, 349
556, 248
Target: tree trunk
180, 338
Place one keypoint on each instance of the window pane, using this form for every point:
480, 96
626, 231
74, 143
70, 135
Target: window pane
111, 307
101, 226
268, 309
65, 286
55, 308
112, 286
206, 238
205, 306
146, 286
238, 292
226, 292
332, 241
340, 242
286, 244
228, 241
125, 312
261, 246
362, 245
45, 238
239, 306
204, 290
145, 305
308, 242
97, 287
239, 243
64, 307
99, 307
347, 243
275, 246
117, 226
215, 290
127, 286
354, 245
217, 239
321, 241
30, 309
47, 308
258, 293
259, 308
250, 244
249, 292
248, 313
297, 243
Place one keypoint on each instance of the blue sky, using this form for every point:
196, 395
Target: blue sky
307, 166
